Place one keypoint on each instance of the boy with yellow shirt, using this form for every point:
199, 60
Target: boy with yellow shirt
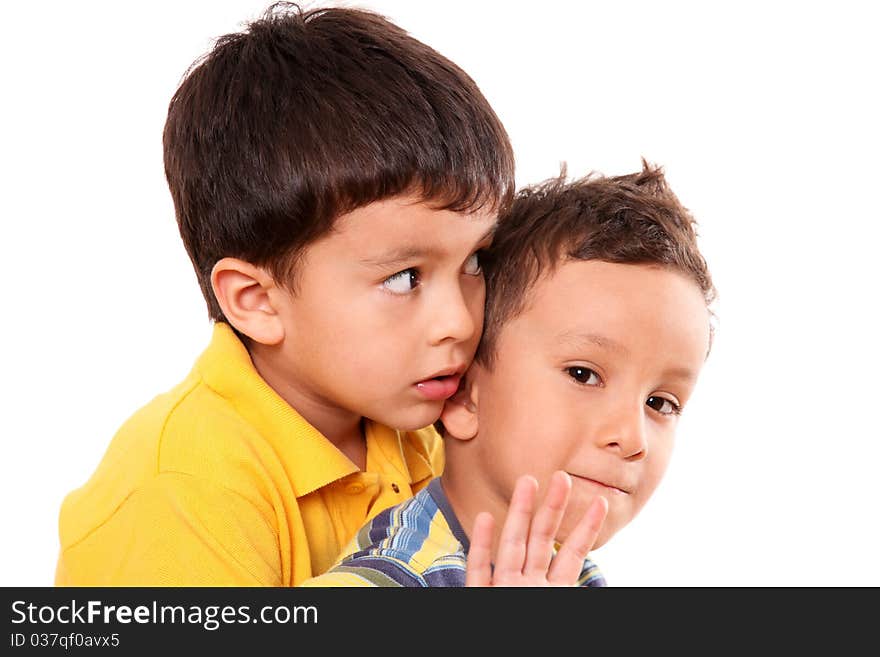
334, 182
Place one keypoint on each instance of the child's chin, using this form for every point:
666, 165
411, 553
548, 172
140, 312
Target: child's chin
419, 417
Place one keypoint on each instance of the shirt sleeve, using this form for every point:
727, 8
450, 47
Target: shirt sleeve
369, 571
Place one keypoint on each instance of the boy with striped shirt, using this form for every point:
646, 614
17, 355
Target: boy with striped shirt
597, 325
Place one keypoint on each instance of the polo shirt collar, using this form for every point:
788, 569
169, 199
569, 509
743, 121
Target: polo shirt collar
309, 458
407, 452
435, 490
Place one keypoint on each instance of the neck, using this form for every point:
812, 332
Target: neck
469, 493
340, 426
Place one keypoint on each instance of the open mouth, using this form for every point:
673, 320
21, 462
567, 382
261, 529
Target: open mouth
439, 387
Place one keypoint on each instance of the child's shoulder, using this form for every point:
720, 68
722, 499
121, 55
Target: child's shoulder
188, 430
407, 544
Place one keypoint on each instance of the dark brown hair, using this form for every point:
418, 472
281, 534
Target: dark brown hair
631, 219
305, 115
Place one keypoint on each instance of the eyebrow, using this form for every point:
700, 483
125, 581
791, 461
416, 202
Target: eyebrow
608, 344
681, 373
408, 253
601, 341
401, 255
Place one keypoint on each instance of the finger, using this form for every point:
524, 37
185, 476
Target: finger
511, 555
569, 561
542, 536
479, 557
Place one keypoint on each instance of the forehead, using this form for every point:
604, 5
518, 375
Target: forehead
409, 226
618, 307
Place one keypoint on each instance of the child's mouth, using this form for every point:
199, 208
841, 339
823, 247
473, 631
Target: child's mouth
440, 387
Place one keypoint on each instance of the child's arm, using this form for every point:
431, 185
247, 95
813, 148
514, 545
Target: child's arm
525, 548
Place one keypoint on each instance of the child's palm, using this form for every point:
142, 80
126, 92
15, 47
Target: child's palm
525, 549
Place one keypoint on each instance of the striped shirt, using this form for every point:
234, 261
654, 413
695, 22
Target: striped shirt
416, 543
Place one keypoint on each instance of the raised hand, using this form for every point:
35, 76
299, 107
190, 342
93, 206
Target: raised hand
525, 548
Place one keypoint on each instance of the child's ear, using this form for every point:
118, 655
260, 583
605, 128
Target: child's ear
246, 294
459, 414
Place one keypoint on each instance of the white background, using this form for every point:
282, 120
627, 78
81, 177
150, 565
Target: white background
764, 115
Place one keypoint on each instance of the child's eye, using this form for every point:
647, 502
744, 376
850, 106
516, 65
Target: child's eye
584, 375
402, 282
473, 265
663, 406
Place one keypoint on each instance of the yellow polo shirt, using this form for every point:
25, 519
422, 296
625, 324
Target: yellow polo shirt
219, 482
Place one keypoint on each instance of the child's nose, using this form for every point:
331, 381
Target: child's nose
453, 319
623, 430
